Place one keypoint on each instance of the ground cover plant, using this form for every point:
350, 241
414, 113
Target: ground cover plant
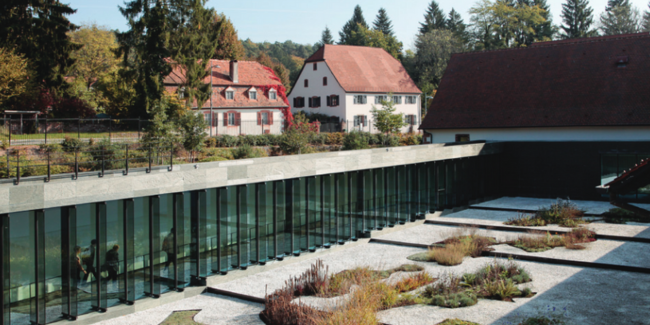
181, 317
493, 281
622, 216
544, 242
456, 321
563, 213
371, 293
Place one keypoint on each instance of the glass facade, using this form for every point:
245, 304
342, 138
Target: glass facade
59, 263
613, 165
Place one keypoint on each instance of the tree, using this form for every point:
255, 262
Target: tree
162, 128
117, 94
620, 18
456, 25
544, 31
97, 55
229, 46
192, 47
192, 126
577, 18
280, 70
326, 37
39, 31
433, 51
386, 120
145, 50
15, 76
382, 23
376, 38
434, 18
352, 25
646, 20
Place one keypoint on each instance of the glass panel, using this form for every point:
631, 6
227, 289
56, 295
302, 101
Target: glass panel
299, 217
99, 285
152, 269
211, 241
283, 227
264, 222
141, 245
356, 203
184, 233
626, 162
5, 269
114, 263
227, 228
165, 245
37, 313
198, 242
402, 194
129, 250
342, 209
329, 210
53, 262
86, 240
21, 265
316, 235
379, 189
391, 196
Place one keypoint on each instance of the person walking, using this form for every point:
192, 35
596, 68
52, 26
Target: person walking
168, 248
89, 261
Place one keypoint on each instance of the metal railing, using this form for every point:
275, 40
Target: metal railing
82, 159
368, 125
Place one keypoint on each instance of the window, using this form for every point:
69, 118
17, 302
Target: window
232, 119
397, 99
299, 102
462, 137
378, 99
181, 93
411, 99
306, 83
324, 81
230, 94
252, 94
360, 120
314, 102
265, 118
360, 99
315, 67
333, 100
206, 117
273, 95
411, 119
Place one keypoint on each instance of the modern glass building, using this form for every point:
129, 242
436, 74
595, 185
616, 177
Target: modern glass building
59, 263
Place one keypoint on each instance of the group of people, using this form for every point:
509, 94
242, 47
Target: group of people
112, 262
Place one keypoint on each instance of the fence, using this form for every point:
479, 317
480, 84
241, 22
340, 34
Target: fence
98, 158
364, 125
44, 131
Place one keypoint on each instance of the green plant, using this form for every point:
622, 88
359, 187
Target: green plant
542, 320
49, 148
621, 216
70, 144
245, 151
456, 321
4, 145
335, 138
355, 140
211, 142
228, 141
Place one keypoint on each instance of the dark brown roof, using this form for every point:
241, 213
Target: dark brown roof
564, 83
365, 69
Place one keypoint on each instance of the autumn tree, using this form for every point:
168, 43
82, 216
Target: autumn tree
39, 31
280, 70
382, 23
376, 38
116, 93
229, 46
434, 18
502, 24
577, 18
15, 75
97, 54
620, 17
352, 25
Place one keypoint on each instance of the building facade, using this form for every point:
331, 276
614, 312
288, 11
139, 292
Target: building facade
247, 98
345, 82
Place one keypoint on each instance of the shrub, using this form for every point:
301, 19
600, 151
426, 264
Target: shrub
541, 320
540, 243
318, 139
228, 141
245, 152
292, 141
4, 145
215, 154
563, 213
248, 139
388, 140
49, 148
70, 144
211, 142
335, 138
618, 215
355, 141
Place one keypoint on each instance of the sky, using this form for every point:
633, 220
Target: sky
303, 21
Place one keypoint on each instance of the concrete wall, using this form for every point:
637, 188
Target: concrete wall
36, 194
627, 133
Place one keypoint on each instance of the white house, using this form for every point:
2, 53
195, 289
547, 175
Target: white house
347, 81
247, 98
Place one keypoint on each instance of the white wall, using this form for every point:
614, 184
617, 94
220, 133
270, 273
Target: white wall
546, 134
364, 109
248, 122
316, 88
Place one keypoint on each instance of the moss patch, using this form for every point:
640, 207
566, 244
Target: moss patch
185, 317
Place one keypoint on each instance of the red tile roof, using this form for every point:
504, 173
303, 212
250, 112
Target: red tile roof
564, 83
250, 73
365, 69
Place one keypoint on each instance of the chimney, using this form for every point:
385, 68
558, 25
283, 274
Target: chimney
234, 71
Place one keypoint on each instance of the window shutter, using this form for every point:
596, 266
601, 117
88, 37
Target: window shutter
338, 100
311, 102
295, 102
215, 119
365, 120
259, 118
225, 119
329, 100
355, 99
365, 99
270, 117
238, 119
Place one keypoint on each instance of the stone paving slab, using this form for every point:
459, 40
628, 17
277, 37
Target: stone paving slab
215, 309
526, 203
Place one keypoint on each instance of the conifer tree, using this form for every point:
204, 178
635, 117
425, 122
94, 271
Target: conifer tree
577, 18
39, 31
646, 20
544, 31
326, 37
620, 18
192, 45
434, 18
229, 47
456, 25
352, 25
382, 23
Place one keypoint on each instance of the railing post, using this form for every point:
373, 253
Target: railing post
46, 130
110, 126
49, 174
149, 169
76, 163
9, 134
79, 128
18, 168
8, 166
103, 159
138, 127
171, 157
126, 160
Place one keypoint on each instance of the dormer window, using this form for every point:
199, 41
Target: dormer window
181, 93
273, 95
230, 93
252, 94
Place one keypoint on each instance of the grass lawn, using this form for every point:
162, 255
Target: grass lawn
181, 317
